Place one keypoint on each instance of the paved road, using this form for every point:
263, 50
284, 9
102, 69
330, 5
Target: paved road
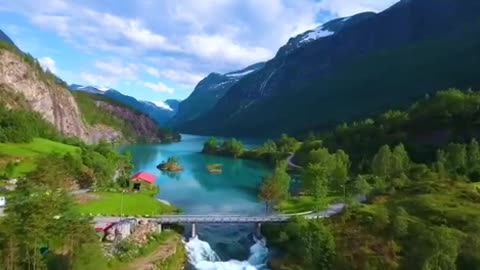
290, 162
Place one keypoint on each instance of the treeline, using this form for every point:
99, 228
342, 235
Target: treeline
271, 151
420, 204
448, 116
21, 126
416, 216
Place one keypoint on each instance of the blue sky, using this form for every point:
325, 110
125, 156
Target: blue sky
156, 50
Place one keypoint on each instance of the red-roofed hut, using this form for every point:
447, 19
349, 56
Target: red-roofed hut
142, 177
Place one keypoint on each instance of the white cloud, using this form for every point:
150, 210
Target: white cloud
187, 39
152, 71
159, 87
163, 105
95, 79
116, 68
343, 8
48, 63
174, 75
219, 47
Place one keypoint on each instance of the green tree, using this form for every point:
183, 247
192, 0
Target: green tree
268, 147
473, 160
41, 218
439, 247
456, 157
287, 144
315, 179
382, 162
400, 160
340, 172
381, 218
316, 246
275, 187
211, 145
269, 192
233, 147
52, 172
399, 220
360, 186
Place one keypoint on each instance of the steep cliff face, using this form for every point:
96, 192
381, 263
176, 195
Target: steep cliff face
144, 128
48, 98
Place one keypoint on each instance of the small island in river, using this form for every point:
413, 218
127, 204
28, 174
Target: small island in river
171, 165
215, 168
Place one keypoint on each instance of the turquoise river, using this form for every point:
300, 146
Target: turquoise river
196, 191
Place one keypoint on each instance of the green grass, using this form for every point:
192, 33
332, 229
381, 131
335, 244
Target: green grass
37, 146
134, 204
27, 152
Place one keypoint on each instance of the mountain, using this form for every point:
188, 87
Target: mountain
130, 124
352, 68
88, 89
173, 104
25, 86
161, 115
208, 92
6, 39
21, 75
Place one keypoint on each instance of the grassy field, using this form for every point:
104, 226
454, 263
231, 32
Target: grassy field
134, 204
26, 153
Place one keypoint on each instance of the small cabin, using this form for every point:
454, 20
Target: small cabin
142, 179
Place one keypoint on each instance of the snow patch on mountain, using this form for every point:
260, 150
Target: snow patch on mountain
162, 105
315, 34
103, 89
240, 74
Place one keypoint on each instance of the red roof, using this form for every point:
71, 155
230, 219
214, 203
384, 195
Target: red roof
144, 176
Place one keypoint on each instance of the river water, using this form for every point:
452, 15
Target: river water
196, 191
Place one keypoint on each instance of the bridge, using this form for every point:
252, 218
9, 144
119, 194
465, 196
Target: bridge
228, 219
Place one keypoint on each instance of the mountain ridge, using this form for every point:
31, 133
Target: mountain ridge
306, 87
208, 92
161, 115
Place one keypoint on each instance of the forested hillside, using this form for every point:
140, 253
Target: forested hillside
371, 64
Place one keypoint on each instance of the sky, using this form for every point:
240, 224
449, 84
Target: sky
159, 49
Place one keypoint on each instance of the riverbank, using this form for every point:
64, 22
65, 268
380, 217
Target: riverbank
165, 251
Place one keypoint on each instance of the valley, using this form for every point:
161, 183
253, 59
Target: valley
353, 145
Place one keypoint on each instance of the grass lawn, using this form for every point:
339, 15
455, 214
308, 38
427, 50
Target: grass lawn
26, 152
134, 204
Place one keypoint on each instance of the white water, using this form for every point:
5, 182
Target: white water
203, 257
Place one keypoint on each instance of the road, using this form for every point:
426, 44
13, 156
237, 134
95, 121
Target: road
290, 162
